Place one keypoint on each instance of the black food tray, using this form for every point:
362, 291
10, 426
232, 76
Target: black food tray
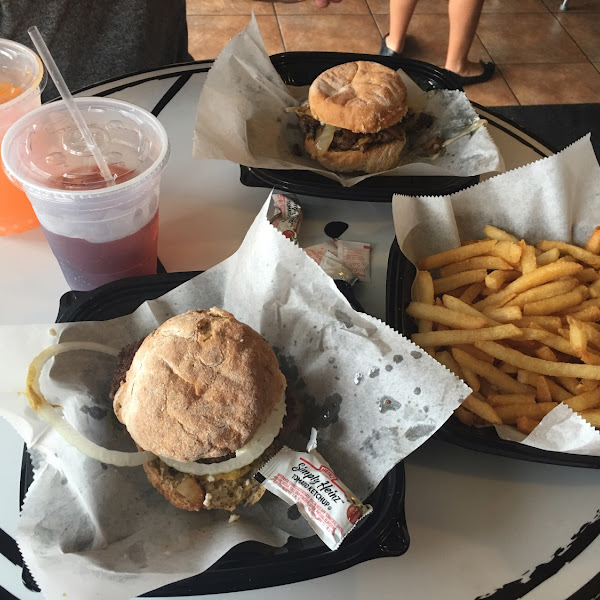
301, 68
400, 275
250, 565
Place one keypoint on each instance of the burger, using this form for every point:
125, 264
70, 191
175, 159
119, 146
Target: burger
353, 118
204, 393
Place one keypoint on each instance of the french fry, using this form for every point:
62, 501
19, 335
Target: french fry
471, 379
558, 393
575, 251
482, 409
589, 384
504, 399
465, 336
593, 243
422, 291
584, 401
590, 358
547, 257
509, 414
501, 380
549, 322
526, 425
471, 292
456, 255
457, 305
594, 288
448, 361
476, 352
508, 251
552, 305
589, 313
544, 367
593, 334
571, 384
541, 275
587, 275
504, 314
445, 284
582, 306
545, 353
592, 416
542, 390
440, 314
547, 290
496, 279
550, 339
495, 233
477, 262
528, 259
577, 335
465, 416
519, 323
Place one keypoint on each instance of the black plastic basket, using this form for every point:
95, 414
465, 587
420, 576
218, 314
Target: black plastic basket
400, 275
250, 565
301, 68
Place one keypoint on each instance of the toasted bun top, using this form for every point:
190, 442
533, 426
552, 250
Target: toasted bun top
362, 96
199, 386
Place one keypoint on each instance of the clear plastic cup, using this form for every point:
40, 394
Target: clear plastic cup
98, 233
22, 79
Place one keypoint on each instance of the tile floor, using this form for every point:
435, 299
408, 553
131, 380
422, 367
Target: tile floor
543, 55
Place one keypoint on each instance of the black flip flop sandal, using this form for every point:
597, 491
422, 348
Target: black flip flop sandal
488, 71
385, 51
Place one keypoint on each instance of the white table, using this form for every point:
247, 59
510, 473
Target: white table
477, 522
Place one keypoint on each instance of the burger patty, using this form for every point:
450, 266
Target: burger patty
344, 139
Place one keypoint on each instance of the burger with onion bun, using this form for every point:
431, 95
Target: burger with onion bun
204, 393
352, 120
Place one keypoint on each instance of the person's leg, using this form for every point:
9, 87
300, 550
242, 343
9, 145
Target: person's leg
401, 12
464, 18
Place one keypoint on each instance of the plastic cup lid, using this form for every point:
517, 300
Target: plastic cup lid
44, 149
22, 68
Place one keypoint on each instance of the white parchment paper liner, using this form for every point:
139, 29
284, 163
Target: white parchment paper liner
96, 532
556, 198
242, 118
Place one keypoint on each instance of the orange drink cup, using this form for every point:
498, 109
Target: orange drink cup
21, 83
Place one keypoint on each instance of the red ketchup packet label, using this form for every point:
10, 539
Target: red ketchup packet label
306, 480
285, 214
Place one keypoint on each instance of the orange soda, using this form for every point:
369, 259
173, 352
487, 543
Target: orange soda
22, 79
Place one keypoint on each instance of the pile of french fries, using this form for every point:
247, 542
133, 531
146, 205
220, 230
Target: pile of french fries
520, 324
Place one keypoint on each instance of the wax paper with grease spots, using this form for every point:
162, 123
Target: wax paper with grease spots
92, 531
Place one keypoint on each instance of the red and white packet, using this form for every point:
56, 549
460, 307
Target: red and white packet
306, 480
285, 214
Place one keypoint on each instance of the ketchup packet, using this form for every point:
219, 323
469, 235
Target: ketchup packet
306, 480
336, 269
285, 215
317, 252
357, 256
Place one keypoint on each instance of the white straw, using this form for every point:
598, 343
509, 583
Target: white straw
61, 86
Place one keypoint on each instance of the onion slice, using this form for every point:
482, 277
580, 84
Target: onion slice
53, 415
262, 439
324, 139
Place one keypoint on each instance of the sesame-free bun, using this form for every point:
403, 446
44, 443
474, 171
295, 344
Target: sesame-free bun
372, 160
362, 96
199, 387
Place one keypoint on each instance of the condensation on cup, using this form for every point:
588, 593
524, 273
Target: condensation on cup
98, 233
22, 80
